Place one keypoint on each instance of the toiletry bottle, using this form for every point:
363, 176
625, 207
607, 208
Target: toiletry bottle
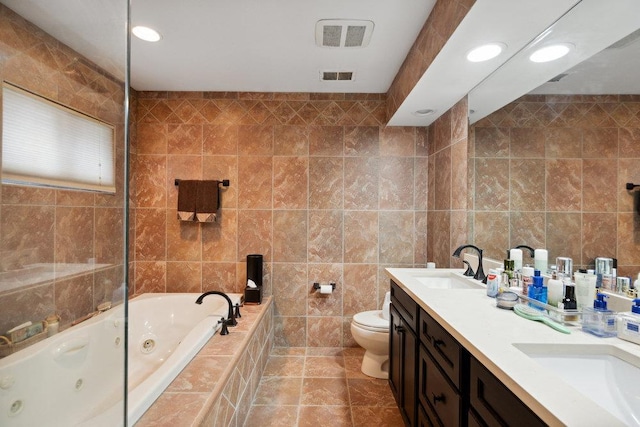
527, 279
599, 320
538, 291
569, 302
507, 276
540, 259
493, 283
629, 323
585, 289
604, 271
556, 290
516, 256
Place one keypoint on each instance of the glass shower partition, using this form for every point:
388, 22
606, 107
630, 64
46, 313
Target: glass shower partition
63, 251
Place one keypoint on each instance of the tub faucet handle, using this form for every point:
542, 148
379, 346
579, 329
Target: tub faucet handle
225, 330
236, 313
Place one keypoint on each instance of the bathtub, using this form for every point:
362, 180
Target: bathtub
76, 377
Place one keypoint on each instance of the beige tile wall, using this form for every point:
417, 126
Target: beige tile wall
40, 225
448, 185
550, 172
318, 186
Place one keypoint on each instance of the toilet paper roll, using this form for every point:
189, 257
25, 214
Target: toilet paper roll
326, 289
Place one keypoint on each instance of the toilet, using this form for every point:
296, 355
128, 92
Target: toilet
370, 329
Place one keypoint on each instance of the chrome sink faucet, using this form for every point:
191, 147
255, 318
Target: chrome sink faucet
479, 275
231, 318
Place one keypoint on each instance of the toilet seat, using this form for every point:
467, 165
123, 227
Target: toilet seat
372, 321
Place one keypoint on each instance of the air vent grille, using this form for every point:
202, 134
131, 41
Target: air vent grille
331, 35
333, 76
343, 33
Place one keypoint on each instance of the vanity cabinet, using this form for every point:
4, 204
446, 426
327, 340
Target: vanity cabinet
403, 314
442, 368
493, 404
436, 382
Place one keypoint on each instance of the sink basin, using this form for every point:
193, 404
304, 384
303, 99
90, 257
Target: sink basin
451, 282
606, 374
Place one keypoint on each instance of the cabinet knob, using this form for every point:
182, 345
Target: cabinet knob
439, 343
438, 398
399, 328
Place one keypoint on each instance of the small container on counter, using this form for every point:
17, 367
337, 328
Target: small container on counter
493, 283
537, 290
629, 323
599, 320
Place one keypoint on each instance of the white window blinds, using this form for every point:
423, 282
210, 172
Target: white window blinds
47, 144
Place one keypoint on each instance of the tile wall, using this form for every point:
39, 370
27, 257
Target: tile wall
448, 185
318, 186
550, 172
49, 226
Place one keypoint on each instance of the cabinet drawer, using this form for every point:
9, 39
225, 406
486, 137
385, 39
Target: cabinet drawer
494, 403
442, 346
436, 392
405, 305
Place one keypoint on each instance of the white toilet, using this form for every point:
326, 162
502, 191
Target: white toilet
370, 329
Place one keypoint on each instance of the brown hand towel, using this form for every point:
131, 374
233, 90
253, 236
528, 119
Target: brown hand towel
207, 201
187, 191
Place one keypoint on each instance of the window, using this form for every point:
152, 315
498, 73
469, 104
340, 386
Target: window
47, 144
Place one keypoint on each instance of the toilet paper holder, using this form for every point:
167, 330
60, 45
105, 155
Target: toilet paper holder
316, 286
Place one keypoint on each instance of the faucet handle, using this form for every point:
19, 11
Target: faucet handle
225, 330
236, 313
469, 271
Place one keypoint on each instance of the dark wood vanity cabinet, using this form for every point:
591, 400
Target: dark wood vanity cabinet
402, 353
442, 368
493, 404
435, 381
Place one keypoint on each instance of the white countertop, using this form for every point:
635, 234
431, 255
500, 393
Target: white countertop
489, 334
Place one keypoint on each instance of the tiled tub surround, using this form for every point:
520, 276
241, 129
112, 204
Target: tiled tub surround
318, 186
550, 171
218, 386
40, 225
76, 376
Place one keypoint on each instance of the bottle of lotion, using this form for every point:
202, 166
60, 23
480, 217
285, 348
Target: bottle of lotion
556, 290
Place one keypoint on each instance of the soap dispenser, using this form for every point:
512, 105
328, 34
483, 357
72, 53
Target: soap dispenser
629, 323
599, 320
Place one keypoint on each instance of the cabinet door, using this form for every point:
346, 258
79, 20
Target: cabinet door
435, 391
402, 366
395, 354
494, 403
444, 349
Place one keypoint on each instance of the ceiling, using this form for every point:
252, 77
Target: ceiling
269, 45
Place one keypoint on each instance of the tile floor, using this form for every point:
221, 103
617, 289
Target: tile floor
321, 387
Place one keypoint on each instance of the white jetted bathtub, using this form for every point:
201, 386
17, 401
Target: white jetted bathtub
76, 376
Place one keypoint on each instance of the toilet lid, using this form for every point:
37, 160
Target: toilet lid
372, 319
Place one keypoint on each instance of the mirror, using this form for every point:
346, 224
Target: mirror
549, 168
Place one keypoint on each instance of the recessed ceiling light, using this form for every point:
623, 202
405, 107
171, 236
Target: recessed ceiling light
551, 52
145, 33
424, 112
485, 52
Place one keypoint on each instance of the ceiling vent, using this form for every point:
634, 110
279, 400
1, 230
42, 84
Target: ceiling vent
336, 76
343, 33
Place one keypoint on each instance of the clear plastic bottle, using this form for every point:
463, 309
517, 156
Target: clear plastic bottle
599, 320
629, 323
